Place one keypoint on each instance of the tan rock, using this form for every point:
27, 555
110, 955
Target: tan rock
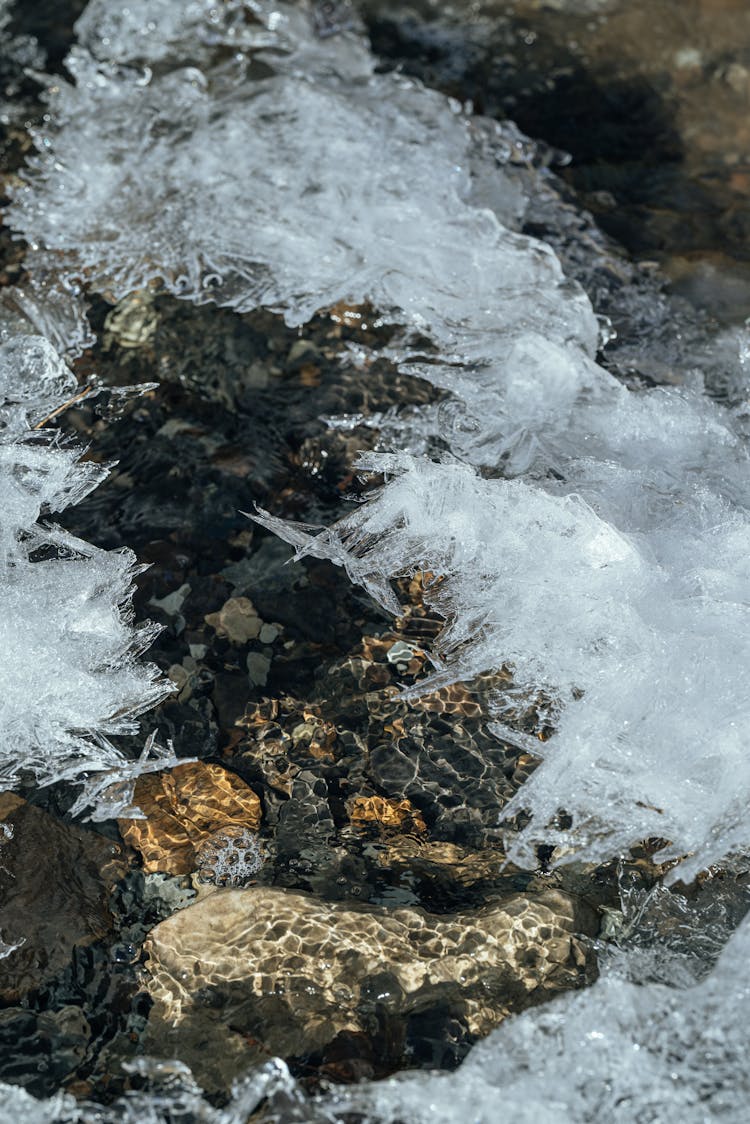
184, 807
263, 970
237, 620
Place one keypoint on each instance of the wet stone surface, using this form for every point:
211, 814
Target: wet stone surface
271, 972
55, 884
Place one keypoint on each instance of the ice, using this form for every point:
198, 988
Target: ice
593, 536
68, 647
159, 33
316, 182
622, 589
170, 1094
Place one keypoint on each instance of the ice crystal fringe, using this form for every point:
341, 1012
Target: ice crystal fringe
69, 652
614, 573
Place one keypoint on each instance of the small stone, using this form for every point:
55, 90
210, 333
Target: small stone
388, 812
179, 675
301, 351
183, 808
258, 667
173, 602
268, 633
133, 321
737, 77
237, 620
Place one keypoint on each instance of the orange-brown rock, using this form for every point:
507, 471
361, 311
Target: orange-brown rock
183, 807
400, 815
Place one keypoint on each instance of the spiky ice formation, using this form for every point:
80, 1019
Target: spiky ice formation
313, 182
289, 174
68, 649
621, 588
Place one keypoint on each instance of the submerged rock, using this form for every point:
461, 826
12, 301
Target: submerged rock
44, 918
39, 1049
183, 810
266, 971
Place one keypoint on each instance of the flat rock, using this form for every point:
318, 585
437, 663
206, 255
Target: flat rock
183, 808
266, 971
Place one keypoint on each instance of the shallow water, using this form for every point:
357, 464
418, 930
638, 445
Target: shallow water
646, 105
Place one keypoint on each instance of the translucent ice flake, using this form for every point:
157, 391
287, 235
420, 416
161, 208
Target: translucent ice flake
171, 1094
68, 648
165, 33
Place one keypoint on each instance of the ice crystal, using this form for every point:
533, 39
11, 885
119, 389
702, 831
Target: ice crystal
287, 173
318, 181
68, 647
170, 1094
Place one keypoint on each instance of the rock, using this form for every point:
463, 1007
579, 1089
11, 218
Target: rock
387, 813
263, 970
443, 865
133, 321
184, 808
258, 667
55, 881
237, 620
40, 1049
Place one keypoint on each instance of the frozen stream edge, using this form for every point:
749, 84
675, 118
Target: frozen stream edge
594, 537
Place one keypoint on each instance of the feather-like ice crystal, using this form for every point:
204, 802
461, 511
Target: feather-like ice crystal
68, 647
286, 173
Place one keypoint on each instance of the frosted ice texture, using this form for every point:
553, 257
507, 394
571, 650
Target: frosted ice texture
286, 173
292, 191
171, 1094
627, 581
68, 647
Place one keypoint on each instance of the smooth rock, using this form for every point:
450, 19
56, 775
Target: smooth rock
266, 971
183, 808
